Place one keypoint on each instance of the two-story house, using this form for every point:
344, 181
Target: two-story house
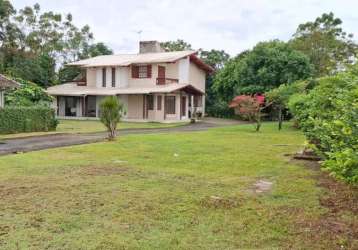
153, 85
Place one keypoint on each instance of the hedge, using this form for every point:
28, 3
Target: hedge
328, 116
27, 119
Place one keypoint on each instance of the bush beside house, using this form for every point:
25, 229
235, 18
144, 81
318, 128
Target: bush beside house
27, 107
27, 119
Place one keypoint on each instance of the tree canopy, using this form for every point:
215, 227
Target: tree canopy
328, 47
34, 44
266, 66
178, 45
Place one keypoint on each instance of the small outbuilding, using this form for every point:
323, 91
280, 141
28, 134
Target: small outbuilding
6, 83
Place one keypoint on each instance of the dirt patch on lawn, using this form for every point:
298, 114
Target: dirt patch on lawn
103, 170
340, 222
219, 202
262, 186
12, 190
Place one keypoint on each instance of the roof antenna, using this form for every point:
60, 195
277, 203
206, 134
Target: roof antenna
139, 32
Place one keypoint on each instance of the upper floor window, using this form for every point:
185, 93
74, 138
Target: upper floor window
104, 77
142, 71
113, 77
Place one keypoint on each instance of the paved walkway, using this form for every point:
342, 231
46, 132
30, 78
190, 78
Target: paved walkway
34, 143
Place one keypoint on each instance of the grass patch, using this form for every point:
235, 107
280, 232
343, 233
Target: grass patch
167, 191
90, 126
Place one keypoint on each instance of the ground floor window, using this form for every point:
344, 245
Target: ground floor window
170, 105
150, 102
70, 106
198, 101
91, 106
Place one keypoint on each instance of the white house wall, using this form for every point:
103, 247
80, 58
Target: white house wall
184, 70
99, 77
91, 77
123, 76
124, 100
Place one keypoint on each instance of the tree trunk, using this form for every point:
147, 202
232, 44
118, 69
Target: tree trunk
258, 121
279, 117
111, 132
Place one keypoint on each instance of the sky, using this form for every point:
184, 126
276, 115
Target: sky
230, 25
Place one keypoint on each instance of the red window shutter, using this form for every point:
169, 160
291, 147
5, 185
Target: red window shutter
149, 71
135, 71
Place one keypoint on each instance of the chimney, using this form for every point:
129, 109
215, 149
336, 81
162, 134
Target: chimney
150, 47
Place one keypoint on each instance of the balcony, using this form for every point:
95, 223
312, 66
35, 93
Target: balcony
80, 82
164, 81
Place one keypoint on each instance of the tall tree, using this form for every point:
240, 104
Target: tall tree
178, 45
6, 10
96, 49
33, 44
216, 59
325, 43
267, 66
67, 74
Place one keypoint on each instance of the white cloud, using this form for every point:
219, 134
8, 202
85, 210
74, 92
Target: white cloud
220, 24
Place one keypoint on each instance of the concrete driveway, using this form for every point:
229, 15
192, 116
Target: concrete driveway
33, 143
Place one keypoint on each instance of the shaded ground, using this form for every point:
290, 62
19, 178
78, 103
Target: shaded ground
174, 191
33, 143
340, 200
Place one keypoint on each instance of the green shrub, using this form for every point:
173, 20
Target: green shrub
328, 115
27, 119
220, 109
296, 104
111, 113
28, 94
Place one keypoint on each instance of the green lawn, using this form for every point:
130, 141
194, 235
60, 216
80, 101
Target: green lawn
155, 192
89, 126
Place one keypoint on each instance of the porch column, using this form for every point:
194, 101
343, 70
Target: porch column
61, 106
144, 107
78, 101
57, 105
192, 108
84, 106
203, 99
97, 106
180, 105
187, 106
164, 108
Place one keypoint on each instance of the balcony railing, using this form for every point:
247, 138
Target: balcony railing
80, 82
163, 81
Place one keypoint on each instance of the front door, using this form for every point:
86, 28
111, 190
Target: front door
183, 106
161, 75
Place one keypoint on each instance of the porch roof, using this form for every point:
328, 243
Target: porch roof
72, 89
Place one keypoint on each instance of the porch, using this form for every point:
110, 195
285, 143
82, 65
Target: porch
158, 107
